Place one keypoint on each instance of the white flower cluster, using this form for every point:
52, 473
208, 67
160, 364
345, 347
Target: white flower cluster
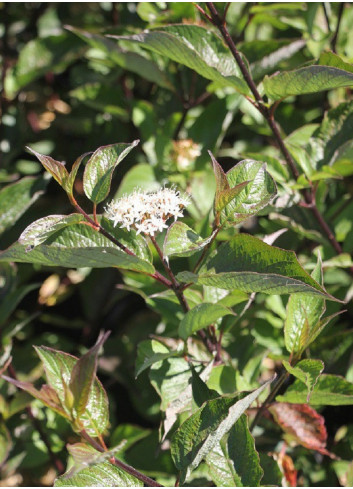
147, 212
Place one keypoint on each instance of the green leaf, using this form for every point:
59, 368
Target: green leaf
202, 431
308, 371
57, 169
200, 391
330, 390
310, 79
40, 230
201, 316
195, 47
235, 462
303, 313
76, 246
328, 58
16, 198
58, 367
5, 443
246, 263
99, 169
86, 457
170, 378
150, 352
257, 189
70, 180
103, 474
39, 56
130, 61
83, 375
181, 240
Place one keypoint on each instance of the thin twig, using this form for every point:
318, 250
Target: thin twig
282, 378
335, 35
309, 196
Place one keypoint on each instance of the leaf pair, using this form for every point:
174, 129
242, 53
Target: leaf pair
73, 390
98, 172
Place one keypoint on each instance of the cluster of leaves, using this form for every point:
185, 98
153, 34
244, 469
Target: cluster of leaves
206, 314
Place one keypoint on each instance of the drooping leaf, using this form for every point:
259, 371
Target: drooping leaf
47, 395
150, 352
100, 167
181, 240
310, 79
202, 431
303, 423
308, 371
83, 375
200, 391
40, 230
234, 462
201, 316
251, 189
58, 367
195, 47
303, 313
246, 263
330, 390
76, 246
16, 198
128, 60
57, 169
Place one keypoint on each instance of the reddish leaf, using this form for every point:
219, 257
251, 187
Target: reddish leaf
289, 471
303, 423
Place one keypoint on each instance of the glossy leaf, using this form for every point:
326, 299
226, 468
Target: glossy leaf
76, 246
84, 457
253, 189
182, 401
234, 462
150, 352
16, 198
303, 313
40, 230
310, 79
201, 316
181, 240
58, 367
202, 431
83, 375
99, 169
70, 180
330, 390
308, 371
248, 264
303, 423
195, 47
57, 169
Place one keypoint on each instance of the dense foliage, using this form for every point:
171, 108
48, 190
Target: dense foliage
199, 236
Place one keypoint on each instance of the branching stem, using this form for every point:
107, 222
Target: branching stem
309, 196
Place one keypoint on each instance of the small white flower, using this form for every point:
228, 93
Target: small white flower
147, 212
